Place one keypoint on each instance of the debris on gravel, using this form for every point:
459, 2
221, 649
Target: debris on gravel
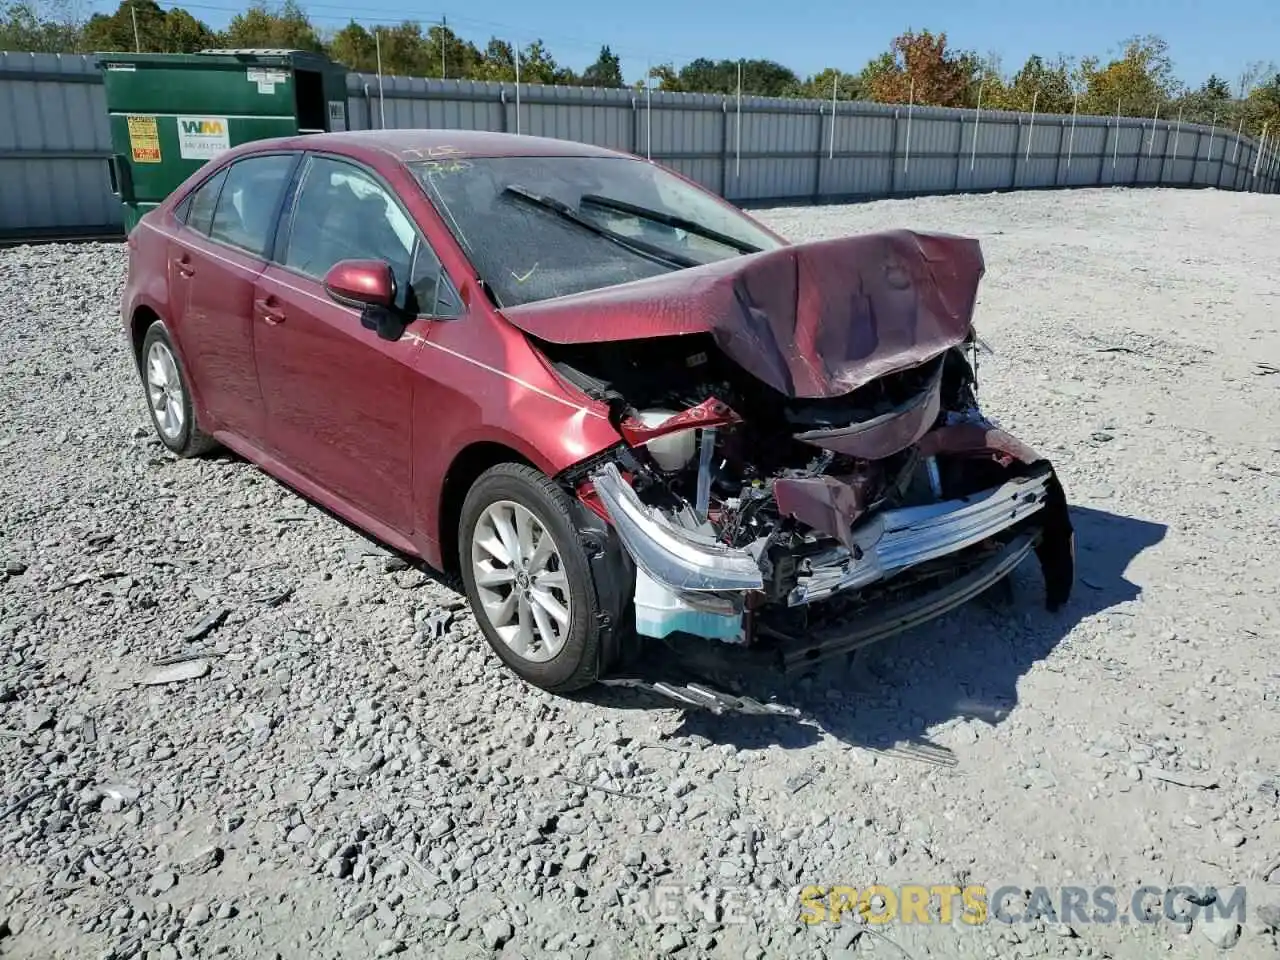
230, 725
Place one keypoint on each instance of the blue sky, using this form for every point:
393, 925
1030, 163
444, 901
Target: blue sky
807, 35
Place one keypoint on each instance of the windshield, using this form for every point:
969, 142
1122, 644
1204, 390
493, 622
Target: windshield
543, 227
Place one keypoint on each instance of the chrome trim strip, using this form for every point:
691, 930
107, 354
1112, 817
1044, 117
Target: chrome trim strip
913, 535
676, 557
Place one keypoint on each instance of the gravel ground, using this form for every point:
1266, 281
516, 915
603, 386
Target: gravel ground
346, 770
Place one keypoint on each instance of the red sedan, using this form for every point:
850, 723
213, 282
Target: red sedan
632, 418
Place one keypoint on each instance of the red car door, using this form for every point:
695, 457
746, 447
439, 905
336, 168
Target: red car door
214, 261
339, 399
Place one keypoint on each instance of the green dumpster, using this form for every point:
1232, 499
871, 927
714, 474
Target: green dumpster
171, 113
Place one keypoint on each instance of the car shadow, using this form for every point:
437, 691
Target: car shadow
964, 666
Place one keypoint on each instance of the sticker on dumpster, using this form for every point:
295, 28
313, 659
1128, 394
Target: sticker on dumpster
144, 139
202, 138
337, 116
266, 79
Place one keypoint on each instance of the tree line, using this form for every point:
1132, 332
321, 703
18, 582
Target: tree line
918, 67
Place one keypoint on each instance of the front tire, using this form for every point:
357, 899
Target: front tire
173, 413
528, 578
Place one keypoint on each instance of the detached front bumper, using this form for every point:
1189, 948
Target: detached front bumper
687, 562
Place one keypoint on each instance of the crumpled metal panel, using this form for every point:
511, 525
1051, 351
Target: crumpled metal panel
810, 320
826, 504
887, 434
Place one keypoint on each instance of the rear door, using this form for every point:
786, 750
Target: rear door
214, 261
340, 399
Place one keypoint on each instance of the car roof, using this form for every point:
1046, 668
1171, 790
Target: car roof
409, 146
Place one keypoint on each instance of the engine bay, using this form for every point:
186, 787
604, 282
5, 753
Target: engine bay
717, 452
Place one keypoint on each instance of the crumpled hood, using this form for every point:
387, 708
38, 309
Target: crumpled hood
810, 320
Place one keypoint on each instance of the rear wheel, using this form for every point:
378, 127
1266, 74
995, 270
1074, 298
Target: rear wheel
168, 397
528, 578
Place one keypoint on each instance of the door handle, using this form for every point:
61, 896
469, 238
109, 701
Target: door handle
183, 263
269, 307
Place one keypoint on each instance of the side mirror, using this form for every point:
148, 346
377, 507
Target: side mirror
361, 283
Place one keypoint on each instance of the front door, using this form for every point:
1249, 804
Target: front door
340, 399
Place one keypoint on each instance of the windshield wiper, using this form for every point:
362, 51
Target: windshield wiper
670, 220
566, 212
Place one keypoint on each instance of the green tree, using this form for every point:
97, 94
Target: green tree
1261, 108
664, 77
848, 86
497, 62
185, 34
39, 27
537, 65
1047, 87
354, 47
158, 30
764, 78
448, 55
1141, 79
1209, 103
284, 28
605, 72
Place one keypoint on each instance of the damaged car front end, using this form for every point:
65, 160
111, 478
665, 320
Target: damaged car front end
803, 466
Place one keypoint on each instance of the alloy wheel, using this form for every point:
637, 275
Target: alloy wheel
164, 390
521, 581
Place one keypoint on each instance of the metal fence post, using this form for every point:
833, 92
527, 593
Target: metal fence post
1057, 154
1031, 133
955, 182
1071, 144
1164, 155
1102, 155
1017, 149
724, 147
893, 158
906, 157
1177, 138
977, 122
817, 156
1222, 162
635, 127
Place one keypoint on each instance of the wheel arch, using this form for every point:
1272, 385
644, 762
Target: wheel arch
465, 469
139, 323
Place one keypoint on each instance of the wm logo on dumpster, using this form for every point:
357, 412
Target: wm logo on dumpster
204, 127
202, 138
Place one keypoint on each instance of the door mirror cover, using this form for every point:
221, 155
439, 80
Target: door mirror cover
359, 283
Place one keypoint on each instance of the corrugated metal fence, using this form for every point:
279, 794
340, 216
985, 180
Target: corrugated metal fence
54, 138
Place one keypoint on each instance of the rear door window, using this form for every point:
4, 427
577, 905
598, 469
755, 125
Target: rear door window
247, 208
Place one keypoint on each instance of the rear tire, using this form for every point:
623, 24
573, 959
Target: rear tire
164, 379
524, 568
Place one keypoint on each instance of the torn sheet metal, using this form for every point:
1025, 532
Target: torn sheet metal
709, 414
887, 434
826, 504
810, 320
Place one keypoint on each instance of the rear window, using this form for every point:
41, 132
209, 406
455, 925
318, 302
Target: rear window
542, 227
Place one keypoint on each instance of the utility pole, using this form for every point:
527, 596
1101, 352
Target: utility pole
444, 39
137, 39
